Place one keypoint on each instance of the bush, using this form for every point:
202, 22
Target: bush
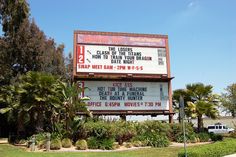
41, 144
156, 140
55, 135
107, 144
66, 143
55, 144
39, 137
115, 145
233, 134
142, 139
216, 137
176, 132
137, 143
204, 137
93, 143
99, 129
81, 145
125, 131
153, 127
128, 145
190, 138
96, 143
217, 149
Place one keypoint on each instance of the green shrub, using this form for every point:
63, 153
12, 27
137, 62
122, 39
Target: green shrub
216, 137
55, 144
153, 127
107, 144
98, 129
176, 132
217, 149
156, 140
93, 143
142, 139
115, 145
233, 134
81, 145
125, 131
55, 135
190, 138
204, 137
137, 143
128, 145
179, 138
39, 137
66, 143
41, 144
97, 143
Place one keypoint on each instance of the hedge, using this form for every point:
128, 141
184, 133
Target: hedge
217, 149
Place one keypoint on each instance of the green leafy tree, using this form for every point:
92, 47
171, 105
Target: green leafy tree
9, 103
41, 102
37, 100
199, 101
39, 96
30, 50
69, 66
203, 102
229, 99
12, 15
176, 96
24, 47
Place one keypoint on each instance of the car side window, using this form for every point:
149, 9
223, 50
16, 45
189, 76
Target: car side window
224, 127
211, 127
217, 127
220, 127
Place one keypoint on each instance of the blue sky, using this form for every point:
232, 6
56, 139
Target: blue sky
202, 33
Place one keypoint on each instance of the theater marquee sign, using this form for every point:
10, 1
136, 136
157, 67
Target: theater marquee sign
117, 59
125, 73
130, 96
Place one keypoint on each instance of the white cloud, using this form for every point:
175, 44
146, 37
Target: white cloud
190, 4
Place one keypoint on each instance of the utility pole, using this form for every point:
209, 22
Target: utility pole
182, 116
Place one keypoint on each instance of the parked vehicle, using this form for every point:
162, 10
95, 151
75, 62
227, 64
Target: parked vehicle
219, 128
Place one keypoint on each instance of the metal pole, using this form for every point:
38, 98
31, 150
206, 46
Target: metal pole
181, 104
185, 151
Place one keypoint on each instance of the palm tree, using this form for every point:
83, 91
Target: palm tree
40, 97
10, 105
199, 101
203, 102
176, 96
35, 98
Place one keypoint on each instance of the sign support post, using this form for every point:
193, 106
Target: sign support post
182, 116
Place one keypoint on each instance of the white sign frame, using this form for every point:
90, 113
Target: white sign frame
126, 96
120, 59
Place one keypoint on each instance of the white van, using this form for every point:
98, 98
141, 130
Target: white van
219, 129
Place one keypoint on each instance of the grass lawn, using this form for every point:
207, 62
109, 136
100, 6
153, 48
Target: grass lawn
12, 151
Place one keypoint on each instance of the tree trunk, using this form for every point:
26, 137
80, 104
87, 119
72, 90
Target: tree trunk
39, 121
233, 113
20, 125
199, 123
